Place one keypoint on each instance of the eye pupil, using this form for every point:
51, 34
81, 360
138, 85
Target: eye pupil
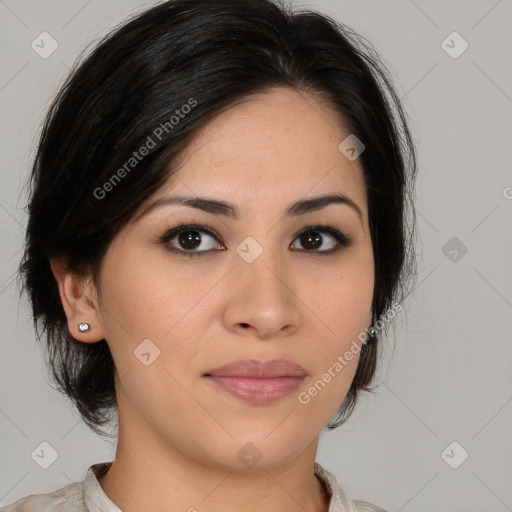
311, 240
189, 239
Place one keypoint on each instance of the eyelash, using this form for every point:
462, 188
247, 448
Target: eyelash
341, 239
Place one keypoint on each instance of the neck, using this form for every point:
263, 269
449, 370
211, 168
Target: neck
148, 475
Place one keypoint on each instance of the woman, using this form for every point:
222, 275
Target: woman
218, 231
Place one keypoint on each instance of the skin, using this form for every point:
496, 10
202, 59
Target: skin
179, 435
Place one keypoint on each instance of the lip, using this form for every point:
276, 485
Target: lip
262, 369
258, 382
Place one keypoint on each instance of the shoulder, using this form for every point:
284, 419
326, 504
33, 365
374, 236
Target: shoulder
75, 497
56, 501
365, 506
340, 500
71, 497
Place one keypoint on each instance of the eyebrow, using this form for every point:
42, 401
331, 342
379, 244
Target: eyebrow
218, 207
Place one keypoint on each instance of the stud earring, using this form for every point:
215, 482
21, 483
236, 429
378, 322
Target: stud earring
371, 335
83, 327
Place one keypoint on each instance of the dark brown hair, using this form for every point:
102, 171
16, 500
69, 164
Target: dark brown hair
207, 55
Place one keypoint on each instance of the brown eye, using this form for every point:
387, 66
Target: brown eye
194, 241
191, 240
315, 237
311, 240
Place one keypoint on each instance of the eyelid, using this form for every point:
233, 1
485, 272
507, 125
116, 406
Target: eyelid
184, 227
330, 230
341, 238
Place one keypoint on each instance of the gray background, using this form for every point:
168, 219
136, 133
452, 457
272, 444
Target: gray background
449, 378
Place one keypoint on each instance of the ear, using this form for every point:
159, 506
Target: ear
78, 300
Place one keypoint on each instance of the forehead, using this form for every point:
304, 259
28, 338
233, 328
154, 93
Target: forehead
269, 149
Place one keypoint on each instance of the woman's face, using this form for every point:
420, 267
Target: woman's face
255, 284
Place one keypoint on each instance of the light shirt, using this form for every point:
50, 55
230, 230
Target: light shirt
88, 496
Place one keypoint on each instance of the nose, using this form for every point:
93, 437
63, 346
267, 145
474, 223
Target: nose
261, 300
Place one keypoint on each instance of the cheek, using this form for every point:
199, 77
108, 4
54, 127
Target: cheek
341, 298
153, 299
338, 316
172, 310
